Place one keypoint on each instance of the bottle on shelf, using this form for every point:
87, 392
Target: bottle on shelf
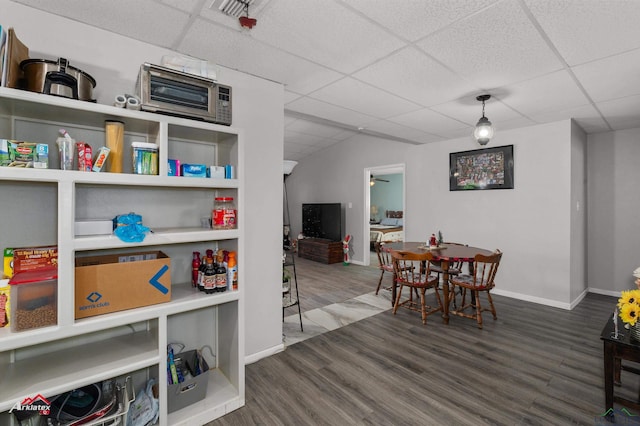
221, 273
209, 277
232, 272
195, 268
203, 266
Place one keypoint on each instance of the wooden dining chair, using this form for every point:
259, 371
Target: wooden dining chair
482, 279
385, 263
455, 268
413, 270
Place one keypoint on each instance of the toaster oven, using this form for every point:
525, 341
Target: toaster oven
168, 91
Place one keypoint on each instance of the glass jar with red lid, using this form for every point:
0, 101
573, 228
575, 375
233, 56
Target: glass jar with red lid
224, 213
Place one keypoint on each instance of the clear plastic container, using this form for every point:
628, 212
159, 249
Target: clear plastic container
34, 299
145, 158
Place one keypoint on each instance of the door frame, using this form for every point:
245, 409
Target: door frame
378, 171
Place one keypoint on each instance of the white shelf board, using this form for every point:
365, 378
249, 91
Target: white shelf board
88, 178
159, 236
183, 298
70, 368
45, 107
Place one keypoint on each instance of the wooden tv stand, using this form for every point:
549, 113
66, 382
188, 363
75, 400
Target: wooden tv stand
320, 250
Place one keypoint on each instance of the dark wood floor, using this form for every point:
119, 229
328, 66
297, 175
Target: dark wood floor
534, 365
321, 284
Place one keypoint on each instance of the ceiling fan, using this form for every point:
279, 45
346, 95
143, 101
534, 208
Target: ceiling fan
373, 180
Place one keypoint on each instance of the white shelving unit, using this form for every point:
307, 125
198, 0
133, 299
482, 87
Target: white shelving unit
39, 208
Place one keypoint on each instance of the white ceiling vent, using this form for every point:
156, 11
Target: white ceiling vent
234, 8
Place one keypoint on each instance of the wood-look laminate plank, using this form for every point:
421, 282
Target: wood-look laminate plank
534, 365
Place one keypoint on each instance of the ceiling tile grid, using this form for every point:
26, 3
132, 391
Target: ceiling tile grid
586, 30
493, 48
406, 70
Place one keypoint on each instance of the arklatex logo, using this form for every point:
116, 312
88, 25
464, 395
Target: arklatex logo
38, 404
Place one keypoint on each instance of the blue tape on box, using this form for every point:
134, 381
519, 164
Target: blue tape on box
194, 170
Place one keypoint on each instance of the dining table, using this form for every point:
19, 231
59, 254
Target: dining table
446, 254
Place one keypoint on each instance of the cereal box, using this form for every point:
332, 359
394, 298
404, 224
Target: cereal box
4, 303
30, 258
8, 263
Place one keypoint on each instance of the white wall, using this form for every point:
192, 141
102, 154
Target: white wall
613, 210
578, 212
114, 62
529, 223
532, 223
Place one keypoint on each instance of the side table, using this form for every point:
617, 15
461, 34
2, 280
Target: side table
616, 350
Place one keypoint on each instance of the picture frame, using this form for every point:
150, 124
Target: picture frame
480, 169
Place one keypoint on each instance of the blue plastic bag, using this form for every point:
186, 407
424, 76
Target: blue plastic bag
129, 228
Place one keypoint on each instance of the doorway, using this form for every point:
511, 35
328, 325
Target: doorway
385, 185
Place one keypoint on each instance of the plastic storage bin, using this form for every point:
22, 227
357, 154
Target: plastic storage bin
34, 299
191, 390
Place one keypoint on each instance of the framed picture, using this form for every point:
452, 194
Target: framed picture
489, 168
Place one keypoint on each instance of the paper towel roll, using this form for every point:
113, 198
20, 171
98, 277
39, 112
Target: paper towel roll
120, 101
133, 103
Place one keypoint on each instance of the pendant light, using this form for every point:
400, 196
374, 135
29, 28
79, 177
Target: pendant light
484, 130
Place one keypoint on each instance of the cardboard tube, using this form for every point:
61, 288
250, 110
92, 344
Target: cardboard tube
114, 140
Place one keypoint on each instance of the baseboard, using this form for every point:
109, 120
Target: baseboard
250, 359
533, 299
614, 293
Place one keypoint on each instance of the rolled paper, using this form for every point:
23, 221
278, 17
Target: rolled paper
133, 103
120, 101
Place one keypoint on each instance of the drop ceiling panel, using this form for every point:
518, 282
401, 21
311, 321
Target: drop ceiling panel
429, 121
414, 76
327, 111
553, 92
587, 117
469, 110
413, 20
238, 50
623, 113
358, 96
184, 5
324, 32
121, 17
611, 78
391, 128
301, 138
584, 30
311, 128
493, 48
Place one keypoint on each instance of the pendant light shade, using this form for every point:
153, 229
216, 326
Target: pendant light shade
484, 129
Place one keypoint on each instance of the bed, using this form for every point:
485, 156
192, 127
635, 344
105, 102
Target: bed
389, 229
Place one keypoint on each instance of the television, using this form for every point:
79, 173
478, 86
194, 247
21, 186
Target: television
322, 220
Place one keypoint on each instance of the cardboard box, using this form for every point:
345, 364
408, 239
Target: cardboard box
32, 258
5, 300
117, 282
